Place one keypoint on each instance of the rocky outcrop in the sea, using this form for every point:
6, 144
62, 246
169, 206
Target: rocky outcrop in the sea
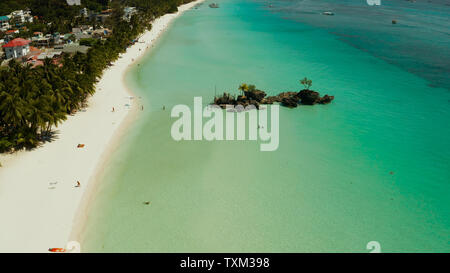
309, 97
288, 99
225, 99
256, 94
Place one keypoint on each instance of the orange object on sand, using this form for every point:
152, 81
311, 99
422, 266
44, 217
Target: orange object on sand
57, 249
80, 146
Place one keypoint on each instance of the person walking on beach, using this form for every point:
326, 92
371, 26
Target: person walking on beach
113, 109
78, 184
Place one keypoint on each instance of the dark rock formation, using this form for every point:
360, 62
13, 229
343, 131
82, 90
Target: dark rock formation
257, 95
308, 97
288, 99
325, 99
289, 94
225, 99
290, 102
271, 100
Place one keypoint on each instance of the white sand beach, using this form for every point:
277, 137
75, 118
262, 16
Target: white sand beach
38, 197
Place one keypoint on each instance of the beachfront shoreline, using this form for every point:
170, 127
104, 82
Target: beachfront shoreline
149, 38
39, 203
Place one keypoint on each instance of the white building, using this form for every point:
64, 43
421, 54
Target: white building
17, 48
128, 12
73, 2
84, 12
21, 16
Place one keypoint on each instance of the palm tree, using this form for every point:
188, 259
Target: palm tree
243, 88
12, 109
306, 83
33, 100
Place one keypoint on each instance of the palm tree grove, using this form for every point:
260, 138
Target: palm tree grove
34, 100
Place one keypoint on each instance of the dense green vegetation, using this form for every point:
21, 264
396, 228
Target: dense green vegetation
50, 9
33, 101
89, 41
62, 17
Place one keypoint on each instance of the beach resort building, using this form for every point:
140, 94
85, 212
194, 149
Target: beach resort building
42, 42
17, 48
37, 35
50, 55
101, 33
73, 2
128, 12
102, 16
84, 12
48, 40
36, 57
56, 38
4, 23
21, 16
32, 57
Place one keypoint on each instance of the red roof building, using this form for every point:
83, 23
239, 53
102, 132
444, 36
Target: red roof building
17, 48
17, 42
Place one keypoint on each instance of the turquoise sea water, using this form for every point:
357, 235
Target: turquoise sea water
328, 188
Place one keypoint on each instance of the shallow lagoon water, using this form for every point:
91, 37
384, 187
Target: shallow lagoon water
373, 165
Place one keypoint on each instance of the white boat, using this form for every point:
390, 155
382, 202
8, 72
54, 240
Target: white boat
328, 13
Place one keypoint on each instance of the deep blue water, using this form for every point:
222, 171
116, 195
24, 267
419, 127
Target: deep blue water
418, 43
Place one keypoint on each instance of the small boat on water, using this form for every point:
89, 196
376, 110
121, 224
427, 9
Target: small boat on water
328, 13
214, 5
